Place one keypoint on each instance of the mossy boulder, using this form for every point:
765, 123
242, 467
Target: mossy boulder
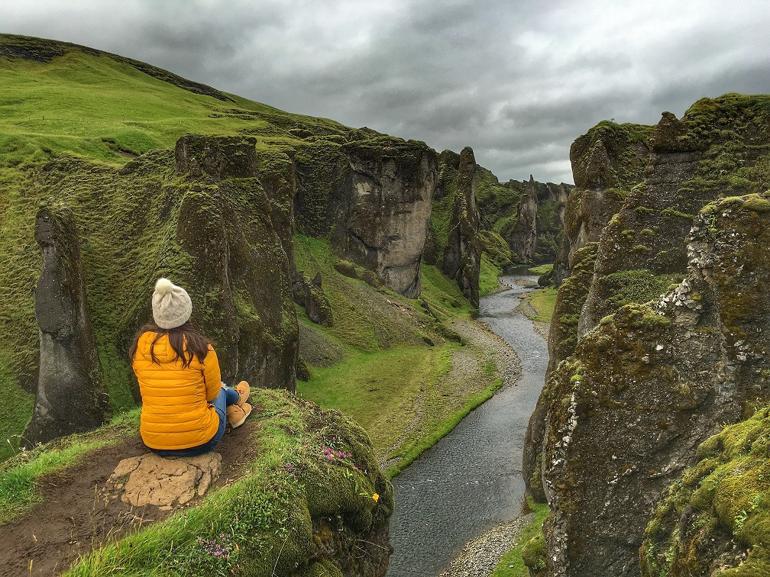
714, 521
628, 409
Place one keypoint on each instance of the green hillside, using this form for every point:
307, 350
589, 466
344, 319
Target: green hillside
93, 114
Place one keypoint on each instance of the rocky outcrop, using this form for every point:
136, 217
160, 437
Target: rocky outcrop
309, 295
462, 256
648, 385
607, 162
551, 207
717, 149
149, 479
240, 276
523, 238
70, 396
372, 195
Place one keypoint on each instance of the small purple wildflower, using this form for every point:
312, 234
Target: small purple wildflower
214, 547
331, 454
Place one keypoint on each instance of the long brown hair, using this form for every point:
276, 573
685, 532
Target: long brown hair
186, 340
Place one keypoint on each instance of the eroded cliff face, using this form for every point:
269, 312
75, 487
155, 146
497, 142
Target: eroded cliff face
372, 194
650, 384
201, 216
607, 162
462, 256
629, 397
523, 236
715, 150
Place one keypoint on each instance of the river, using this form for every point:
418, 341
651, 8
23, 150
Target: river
471, 480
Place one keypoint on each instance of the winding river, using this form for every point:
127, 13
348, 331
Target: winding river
471, 481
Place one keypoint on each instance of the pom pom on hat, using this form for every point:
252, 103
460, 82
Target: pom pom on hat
163, 286
171, 305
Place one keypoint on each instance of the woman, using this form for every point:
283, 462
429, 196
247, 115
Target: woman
185, 406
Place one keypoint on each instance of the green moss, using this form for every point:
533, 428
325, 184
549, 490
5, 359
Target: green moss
489, 276
718, 513
635, 286
267, 519
528, 550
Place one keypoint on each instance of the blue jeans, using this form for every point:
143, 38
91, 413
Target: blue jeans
224, 399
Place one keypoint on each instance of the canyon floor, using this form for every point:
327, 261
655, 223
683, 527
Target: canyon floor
470, 481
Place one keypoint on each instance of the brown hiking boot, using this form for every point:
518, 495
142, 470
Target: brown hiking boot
236, 414
244, 391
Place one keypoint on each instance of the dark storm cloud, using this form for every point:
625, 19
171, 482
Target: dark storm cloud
517, 80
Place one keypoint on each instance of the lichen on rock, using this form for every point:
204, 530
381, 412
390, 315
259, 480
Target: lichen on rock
648, 385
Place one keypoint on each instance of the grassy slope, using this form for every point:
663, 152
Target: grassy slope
104, 110
393, 382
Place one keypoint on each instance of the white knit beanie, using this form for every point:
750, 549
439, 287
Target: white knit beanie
171, 305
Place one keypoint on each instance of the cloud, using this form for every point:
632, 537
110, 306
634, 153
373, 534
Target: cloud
516, 80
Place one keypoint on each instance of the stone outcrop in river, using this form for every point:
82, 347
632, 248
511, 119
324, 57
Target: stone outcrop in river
462, 256
623, 415
70, 395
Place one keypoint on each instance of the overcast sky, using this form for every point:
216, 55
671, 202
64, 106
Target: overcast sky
516, 80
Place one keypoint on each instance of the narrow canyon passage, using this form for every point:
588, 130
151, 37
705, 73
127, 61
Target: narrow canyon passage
471, 479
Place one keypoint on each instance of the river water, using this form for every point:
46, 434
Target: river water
471, 481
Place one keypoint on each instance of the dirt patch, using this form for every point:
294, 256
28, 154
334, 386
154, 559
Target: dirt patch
77, 516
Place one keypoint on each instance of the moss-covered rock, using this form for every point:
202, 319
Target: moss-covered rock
308, 498
717, 149
462, 255
643, 389
715, 519
562, 340
607, 162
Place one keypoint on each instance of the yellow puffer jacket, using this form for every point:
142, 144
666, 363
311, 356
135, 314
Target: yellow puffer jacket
175, 409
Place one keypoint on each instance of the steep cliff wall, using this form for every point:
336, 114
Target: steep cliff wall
621, 417
717, 149
651, 383
203, 219
372, 194
607, 162
462, 256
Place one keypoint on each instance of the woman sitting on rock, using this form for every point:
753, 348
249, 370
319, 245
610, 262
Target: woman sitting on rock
185, 406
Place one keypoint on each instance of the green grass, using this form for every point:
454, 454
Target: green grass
512, 564
390, 379
541, 269
263, 519
542, 302
489, 276
18, 476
